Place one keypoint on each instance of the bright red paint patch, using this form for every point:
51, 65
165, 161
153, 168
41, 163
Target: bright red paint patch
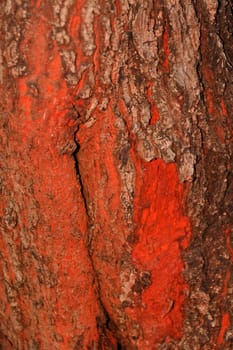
224, 325
163, 231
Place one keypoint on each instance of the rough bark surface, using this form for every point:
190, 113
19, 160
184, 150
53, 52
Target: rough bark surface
116, 174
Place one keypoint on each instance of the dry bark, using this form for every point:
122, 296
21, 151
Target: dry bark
116, 174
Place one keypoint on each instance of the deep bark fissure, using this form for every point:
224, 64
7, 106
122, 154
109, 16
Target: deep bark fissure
105, 325
79, 177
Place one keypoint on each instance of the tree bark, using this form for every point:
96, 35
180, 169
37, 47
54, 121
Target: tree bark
116, 174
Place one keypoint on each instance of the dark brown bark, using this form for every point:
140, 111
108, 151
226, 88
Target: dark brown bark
116, 174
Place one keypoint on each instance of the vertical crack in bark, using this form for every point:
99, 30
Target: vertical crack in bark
79, 177
105, 324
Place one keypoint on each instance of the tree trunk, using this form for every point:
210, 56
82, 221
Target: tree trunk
116, 175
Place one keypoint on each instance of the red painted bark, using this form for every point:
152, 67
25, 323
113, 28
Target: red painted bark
116, 171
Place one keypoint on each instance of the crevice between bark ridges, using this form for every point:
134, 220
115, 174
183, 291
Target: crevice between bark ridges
105, 325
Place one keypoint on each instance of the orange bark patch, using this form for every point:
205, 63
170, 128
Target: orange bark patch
226, 282
223, 107
162, 230
165, 63
224, 325
210, 102
220, 133
118, 7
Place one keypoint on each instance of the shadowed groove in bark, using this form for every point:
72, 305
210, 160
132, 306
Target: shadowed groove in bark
104, 324
79, 177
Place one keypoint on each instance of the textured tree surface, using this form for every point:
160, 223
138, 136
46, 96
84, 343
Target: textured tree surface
116, 175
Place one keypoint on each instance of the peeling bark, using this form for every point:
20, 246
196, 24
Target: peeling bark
116, 174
